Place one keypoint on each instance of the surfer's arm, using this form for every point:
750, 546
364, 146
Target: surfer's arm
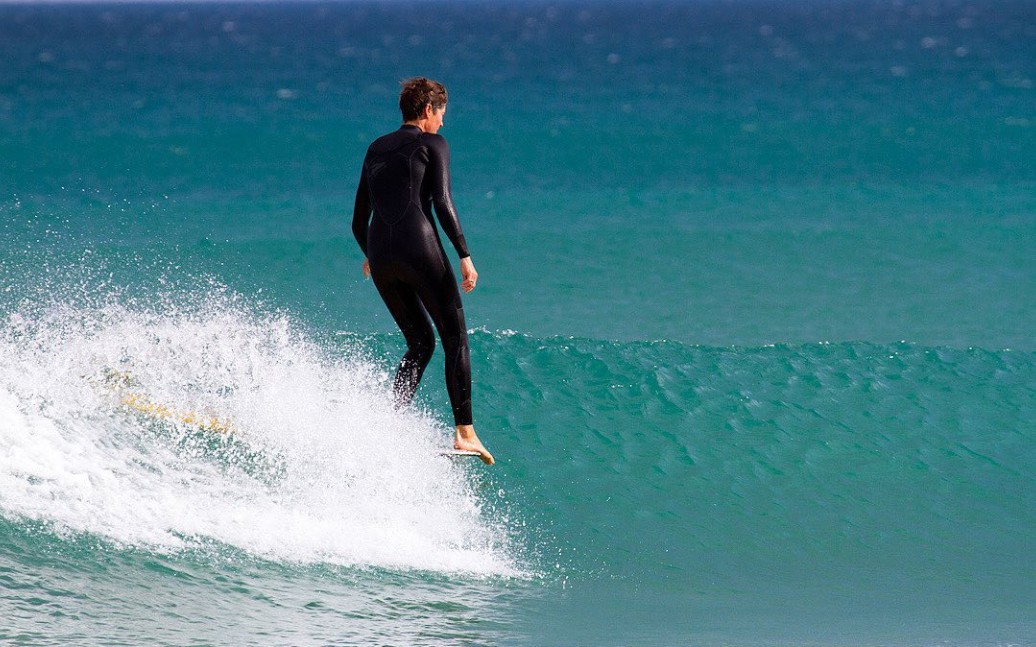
438, 176
362, 212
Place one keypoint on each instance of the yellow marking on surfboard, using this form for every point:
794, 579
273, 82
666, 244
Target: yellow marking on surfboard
140, 403
117, 381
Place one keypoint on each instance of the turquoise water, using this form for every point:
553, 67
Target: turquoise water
752, 341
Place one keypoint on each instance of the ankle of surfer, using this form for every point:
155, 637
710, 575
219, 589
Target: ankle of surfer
467, 439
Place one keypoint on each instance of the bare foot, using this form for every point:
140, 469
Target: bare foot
466, 440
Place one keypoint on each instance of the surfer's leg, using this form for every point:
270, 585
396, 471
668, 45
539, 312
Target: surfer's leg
412, 319
442, 301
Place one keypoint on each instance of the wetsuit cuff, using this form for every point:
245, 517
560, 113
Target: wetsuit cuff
461, 246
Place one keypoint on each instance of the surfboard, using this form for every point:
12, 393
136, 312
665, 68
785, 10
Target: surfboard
458, 452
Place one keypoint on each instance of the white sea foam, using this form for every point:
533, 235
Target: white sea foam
318, 467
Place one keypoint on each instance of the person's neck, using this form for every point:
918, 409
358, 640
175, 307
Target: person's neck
421, 124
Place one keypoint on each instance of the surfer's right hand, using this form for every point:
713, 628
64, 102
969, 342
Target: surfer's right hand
366, 268
468, 274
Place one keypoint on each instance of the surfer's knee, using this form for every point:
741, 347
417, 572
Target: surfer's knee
420, 351
452, 344
456, 350
421, 354
420, 339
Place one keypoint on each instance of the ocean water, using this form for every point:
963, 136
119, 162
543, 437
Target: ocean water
753, 340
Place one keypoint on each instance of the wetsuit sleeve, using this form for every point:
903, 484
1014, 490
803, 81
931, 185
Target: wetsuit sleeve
438, 175
362, 211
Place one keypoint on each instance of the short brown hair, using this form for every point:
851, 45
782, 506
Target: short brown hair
418, 93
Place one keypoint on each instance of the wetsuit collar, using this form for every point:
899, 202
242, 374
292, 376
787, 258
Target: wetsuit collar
411, 127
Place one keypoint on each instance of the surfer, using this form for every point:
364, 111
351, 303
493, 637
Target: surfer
404, 174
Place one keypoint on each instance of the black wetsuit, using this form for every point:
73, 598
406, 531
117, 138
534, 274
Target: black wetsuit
404, 174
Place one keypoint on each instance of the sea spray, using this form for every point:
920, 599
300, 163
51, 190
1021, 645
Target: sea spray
316, 465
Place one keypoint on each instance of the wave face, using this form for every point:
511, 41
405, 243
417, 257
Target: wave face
797, 484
